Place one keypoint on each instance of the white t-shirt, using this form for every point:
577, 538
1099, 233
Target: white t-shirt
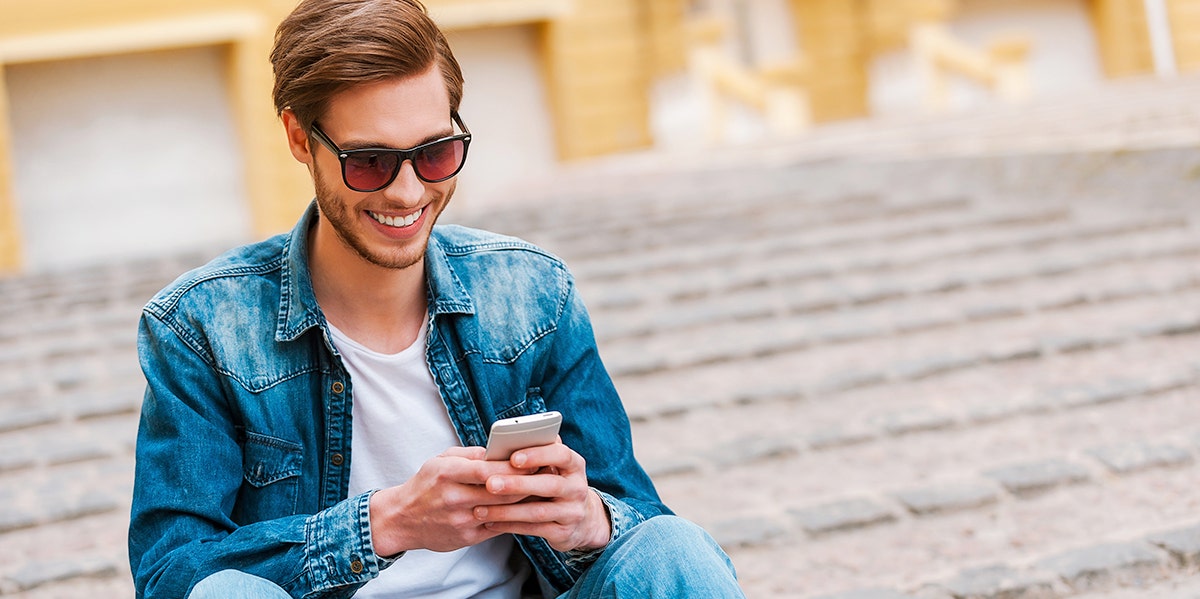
400, 422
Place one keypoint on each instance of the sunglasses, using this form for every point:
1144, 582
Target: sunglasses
372, 169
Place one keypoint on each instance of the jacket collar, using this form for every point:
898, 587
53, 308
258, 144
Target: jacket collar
298, 309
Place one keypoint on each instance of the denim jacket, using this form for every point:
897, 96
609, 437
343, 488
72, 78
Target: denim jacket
243, 451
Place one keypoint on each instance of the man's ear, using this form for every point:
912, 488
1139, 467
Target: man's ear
297, 137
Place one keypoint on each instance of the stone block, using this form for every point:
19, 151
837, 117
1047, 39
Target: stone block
769, 392
873, 593
839, 437
1179, 325
812, 304
1128, 458
72, 450
47, 572
927, 367
753, 449
26, 418
1126, 292
1107, 565
58, 508
913, 421
945, 285
15, 460
13, 518
848, 380
127, 400
992, 312
1066, 344
874, 295
1182, 543
842, 515
1001, 582
1019, 350
849, 332
1106, 392
947, 498
1117, 390
1063, 301
913, 323
1038, 476
664, 469
746, 532
1172, 381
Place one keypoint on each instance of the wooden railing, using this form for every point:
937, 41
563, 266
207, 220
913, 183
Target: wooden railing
775, 92
1001, 66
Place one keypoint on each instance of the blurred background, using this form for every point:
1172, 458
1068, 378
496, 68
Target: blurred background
902, 296
135, 125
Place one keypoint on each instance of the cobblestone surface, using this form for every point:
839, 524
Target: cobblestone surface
923, 367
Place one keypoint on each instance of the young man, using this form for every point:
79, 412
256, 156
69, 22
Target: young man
316, 403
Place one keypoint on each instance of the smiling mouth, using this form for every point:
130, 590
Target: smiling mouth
397, 222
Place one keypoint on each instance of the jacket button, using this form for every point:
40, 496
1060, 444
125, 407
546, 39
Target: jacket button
337, 459
338, 387
356, 567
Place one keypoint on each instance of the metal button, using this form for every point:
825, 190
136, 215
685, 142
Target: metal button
337, 459
338, 387
356, 567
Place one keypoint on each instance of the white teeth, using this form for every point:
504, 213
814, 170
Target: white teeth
397, 222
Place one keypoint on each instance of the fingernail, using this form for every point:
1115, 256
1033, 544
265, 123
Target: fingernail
496, 485
480, 513
519, 459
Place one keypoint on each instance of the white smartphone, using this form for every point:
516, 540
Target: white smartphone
510, 434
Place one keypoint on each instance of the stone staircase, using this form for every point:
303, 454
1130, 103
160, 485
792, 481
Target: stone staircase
906, 392
879, 373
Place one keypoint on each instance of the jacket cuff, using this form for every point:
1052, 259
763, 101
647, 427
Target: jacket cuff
621, 518
339, 550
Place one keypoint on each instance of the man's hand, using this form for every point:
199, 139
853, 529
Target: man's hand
560, 508
435, 508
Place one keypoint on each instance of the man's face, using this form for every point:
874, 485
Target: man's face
395, 113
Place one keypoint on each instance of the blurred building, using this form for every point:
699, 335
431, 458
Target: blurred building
130, 127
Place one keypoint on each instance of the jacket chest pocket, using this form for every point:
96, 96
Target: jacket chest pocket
271, 479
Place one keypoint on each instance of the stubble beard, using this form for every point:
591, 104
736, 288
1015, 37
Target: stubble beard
338, 213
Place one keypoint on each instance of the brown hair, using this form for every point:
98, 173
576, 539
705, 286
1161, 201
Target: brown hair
326, 46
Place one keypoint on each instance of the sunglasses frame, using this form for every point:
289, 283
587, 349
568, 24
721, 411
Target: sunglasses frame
405, 155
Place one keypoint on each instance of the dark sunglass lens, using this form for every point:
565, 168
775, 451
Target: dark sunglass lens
440, 160
369, 171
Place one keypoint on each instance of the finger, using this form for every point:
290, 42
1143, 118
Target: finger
557, 456
470, 453
546, 485
551, 531
531, 512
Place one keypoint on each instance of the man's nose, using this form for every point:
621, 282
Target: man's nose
407, 188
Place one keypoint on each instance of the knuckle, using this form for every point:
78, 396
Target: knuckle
454, 497
460, 519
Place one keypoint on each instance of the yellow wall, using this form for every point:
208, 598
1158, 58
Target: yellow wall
10, 239
1123, 37
663, 24
594, 51
39, 32
598, 77
833, 38
1185, 31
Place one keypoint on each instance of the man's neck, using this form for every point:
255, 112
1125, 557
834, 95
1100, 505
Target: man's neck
380, 308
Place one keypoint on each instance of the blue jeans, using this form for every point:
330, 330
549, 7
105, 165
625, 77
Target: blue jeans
664, 557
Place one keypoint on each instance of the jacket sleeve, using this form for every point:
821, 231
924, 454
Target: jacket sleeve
189, 473
595, 425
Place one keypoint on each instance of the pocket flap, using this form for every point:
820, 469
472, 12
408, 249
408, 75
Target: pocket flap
267, 460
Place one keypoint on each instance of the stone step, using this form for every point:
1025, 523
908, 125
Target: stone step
801, 370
